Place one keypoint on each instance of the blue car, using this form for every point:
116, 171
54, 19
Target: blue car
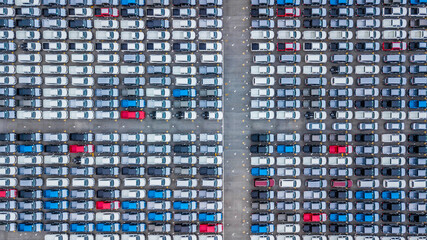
82, 227
36, 148
288, 148
367, 195
160, 216
134, 205
210, 217
133, 2
374, 217
184, 205
265, 172
417, 2
108, 227
262, 228
341, 217
55, 193
30, 227
56, 205
393, 195
133, 227
126, 103
341, 2
159, 194
184, 93
289, 2
417, 104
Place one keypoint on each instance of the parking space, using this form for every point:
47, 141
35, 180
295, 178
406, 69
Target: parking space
340, 108
162, 66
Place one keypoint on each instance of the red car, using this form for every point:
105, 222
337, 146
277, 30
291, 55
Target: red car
315, 217
8, 193
394, 46
111, 205
288, 12
81, 148
338, 149
288, 46
265, 182
132, 115
341, 183
210, 228
106, 12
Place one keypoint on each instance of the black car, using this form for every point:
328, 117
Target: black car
108, 193
366, 171
366, 103
313, 228
87, 24
341, 46
54, 12
418, 46
366, 137
157, 23
417, 149
133, 171
210, 171
182, 148
109, 171
11, 137
28, 23
369, 46
417, 138
30, 137
256, 194
84, 137
30, 194
393, 103
261, 137
339, 228
314, 149
391, 172
313, 23
417, 218
338, 194
397, 218
184, 228
341, 12
62, 148
392, 206
183, 3
33, 92
261, 149
132, 12
158, 171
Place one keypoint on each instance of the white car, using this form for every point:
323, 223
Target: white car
55, 35
394, 34
263, 70
80, 70
394, 137
187, 35
53, 159
132, 24
109, 182
288, 69
261, 115
107, 114
56, 58
108, 69
314, 35
255, 34
132, 137
106, 24
57, 182
107, 35
83, 182
285, 115
82, 12
28, 114
138, 36
340, 161
159, 137
26, 69
183, 24
314, 70
157, 92
288, 34
163, 160
81, 92
211, 58
314, 160
368, 34
8, 182
340, 35
113, 160
81, 114
184, 70
417, 115
130, 69
394, 23
9, 35
393, 115
55, 69
365, 69
108, 58
49, 115
366, 115
80, 35
29, 58
417, 34
134, 182
106, 217
214, 35
262, 92
82, 58
158, 35
30, 160
390, 161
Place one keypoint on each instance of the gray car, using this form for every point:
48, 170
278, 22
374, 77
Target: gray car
135, 81
31, 216
83, 205
108, 81
158, 148
316, 183
314, 205
56, 170
107, 2
134, 216
366, 149
82, 193
30, 171
158, 70
341, 23
82, 171
133, 148
107, 103
56, 227
31, 182
30, 205
134, 58
112, 92
57, 216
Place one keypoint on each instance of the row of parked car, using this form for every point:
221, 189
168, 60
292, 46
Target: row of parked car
132, 3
